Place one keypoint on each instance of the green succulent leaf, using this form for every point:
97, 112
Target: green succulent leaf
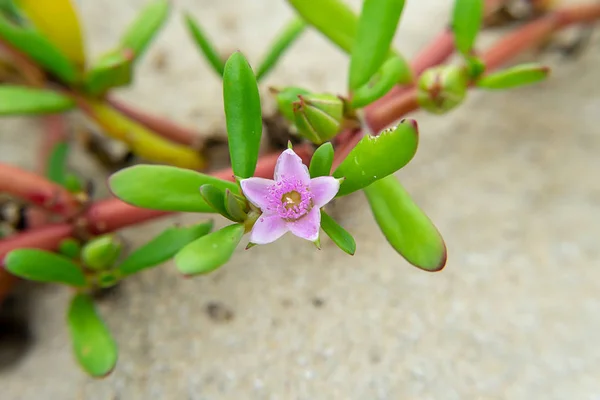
209, 252
143, 29
204, 45
215, 197
338, 235
467, 18
112, 70
39, 49
408, 230
376, 157
20, 100
44, 266
162, 247
285, 99
243, 114
70, 248
165, 188
321, 161
284, 40
101, 252
372, 46
93, 345
56, 169
520, 75
393, 72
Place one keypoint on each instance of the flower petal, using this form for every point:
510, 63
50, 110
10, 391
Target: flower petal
290, 166
267, 229
256, 191
324, 189
308, 226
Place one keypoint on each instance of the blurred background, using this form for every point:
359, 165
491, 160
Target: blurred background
509, 178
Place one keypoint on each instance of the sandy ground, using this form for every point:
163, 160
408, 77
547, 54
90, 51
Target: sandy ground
509, 179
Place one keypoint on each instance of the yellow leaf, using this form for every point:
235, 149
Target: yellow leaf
58, 21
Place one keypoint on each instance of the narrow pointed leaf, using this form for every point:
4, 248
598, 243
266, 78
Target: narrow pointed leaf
520, 75
162, 248
393, 72
467, 18
44, 266
101, 252
20, 100
376, 157
321, 161
339, 235
209, 252
215, 198
288, 36
112, 70
165, 188
406, 227
56, 170
243, 115
93, 345
58, 21
39, 49
141, 32
204, 44
376, 28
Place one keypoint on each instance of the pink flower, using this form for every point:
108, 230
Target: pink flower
292, 202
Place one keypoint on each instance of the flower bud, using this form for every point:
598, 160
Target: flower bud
101, 252
285, 98
318, 117
236, 206
440, 89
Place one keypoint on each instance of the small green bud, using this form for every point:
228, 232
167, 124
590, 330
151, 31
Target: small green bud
285, 98
318, 117
101, 252
106, 279
236, 206
70, 248
440, 89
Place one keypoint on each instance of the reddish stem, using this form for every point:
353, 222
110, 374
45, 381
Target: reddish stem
28, 69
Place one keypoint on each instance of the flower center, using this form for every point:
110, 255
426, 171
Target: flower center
290, 199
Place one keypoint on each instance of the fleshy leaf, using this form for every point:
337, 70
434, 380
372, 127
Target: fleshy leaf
58, 21
111, 70
166, 188
204, 44
410, 232
141, 32
101, 252
39, 49
162, 247
93, 345
467, 18
70, 248
290, 33
394, 71
321, 161
372, 46
215, 198
520, 75
209, 252
20, 100
243, 115
339, 235
56, 169
44, 266
285, 99
376, 157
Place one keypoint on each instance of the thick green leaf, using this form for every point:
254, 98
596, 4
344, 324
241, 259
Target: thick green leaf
112, 70
93, 345
56, 169
405, 226
291, 32
215, 198
162, 247
161, 187
339, 235
19, 100
466, 22
101, 252
39, 49
376, 157
141, 32
209, 252
44, 266
394, 71
243, 115
376, 28
205, 45
321, 161
520, 75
